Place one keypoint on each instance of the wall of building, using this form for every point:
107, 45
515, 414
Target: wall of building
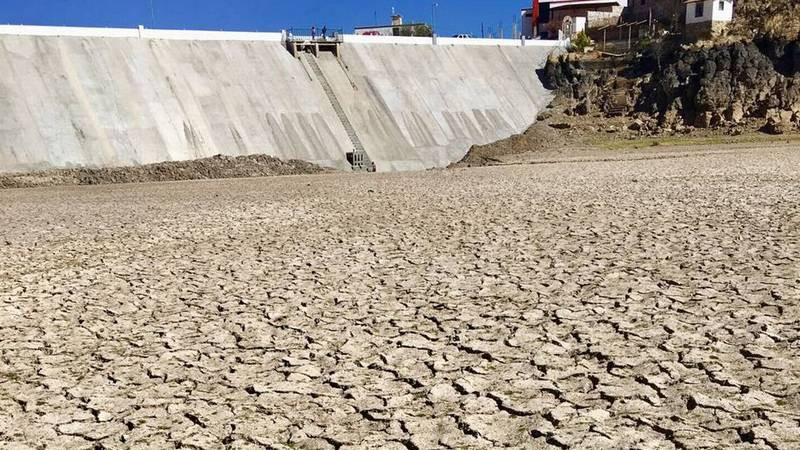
598, 19
557, 16
99, 100
711, 11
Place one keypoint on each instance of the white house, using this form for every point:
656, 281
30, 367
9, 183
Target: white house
582, 14
706, 18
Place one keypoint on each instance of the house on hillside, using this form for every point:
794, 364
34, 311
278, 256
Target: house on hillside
569, 17
706, 18
670, 13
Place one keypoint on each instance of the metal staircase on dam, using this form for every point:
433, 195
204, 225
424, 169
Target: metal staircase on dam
358, 158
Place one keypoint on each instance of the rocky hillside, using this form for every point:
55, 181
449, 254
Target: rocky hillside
698, 86
772, 19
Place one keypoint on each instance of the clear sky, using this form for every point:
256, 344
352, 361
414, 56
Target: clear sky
452, 16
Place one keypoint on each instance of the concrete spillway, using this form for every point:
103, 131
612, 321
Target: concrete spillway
103, 101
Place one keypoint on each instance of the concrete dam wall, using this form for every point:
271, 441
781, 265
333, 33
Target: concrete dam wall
116, 99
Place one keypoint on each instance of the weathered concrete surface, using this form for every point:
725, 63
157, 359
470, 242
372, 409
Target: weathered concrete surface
635, 304
104, 101
423, 106
70, 101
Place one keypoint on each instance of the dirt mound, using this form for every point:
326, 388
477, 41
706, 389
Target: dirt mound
556, 130
209, 168
540, 136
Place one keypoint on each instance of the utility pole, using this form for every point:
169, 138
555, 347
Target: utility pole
514, 27
434, 5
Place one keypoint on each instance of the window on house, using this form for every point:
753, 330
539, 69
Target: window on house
699, 9
722, 5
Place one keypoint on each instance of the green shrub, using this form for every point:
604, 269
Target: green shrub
581, 42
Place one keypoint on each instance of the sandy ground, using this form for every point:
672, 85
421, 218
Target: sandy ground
648, 303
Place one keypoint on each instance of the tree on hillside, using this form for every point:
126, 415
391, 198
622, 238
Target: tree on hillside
418, 30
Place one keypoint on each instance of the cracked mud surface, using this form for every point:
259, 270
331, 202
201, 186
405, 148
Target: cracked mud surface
634, 304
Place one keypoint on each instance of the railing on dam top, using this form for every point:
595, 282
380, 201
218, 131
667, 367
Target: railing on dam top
307, 34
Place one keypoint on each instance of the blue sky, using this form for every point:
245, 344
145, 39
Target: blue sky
452, 16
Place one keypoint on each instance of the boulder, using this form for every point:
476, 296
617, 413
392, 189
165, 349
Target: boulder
735, 113
703, 120
775, 126
544, 115
584, 107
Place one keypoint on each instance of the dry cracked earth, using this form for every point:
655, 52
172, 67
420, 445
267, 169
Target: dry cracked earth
647, 303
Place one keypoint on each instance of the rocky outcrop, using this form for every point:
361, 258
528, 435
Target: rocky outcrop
773, 19
587, 87
709, 86
697, 86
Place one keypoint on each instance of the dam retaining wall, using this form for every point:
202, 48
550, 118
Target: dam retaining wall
102, 98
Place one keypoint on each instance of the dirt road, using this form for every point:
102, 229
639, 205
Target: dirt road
648, 303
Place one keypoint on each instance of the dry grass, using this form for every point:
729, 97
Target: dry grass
717, 140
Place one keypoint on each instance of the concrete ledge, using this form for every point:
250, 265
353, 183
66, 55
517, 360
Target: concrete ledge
407, 40
498, 42
29, 30
199, 35
140, 33
192, 35
412, 40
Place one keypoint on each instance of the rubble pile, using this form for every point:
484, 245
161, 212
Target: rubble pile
208, 168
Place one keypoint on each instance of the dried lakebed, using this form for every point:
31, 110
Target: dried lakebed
645, 303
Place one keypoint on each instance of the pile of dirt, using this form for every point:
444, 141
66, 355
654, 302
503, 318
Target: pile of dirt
209, 168
540, 136
556, 130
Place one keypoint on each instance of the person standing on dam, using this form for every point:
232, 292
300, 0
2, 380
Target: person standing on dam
324, 32
313, 32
